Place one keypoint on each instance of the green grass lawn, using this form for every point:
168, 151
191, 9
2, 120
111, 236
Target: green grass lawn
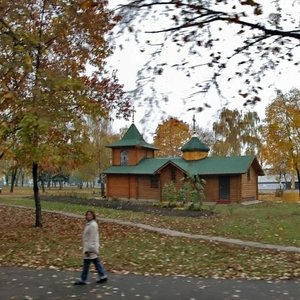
127, 249
268, 222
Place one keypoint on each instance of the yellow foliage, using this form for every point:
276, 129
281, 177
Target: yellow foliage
282, 132
170, 137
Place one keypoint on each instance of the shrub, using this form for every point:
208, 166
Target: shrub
170, 194
190, 195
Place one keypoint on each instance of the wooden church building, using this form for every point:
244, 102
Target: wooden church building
135, 173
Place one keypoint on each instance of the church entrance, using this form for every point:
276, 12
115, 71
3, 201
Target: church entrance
224, 188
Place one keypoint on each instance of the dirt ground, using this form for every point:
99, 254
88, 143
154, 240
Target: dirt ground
150, 208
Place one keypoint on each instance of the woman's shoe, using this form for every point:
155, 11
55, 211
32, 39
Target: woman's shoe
102, 280
79, 282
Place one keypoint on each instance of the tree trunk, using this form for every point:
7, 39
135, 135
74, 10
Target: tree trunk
19, 173
13, 179
37, 199
298, 175
22, 178
43, 184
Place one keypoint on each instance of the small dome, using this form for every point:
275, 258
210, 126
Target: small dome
194, 144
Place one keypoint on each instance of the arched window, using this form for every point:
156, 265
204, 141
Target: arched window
124, 158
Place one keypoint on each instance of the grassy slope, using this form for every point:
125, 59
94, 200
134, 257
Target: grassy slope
268, 222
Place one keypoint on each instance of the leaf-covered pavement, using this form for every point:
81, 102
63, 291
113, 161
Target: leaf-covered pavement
125, 249
25, 283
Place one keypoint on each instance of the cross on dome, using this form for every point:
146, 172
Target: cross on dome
194, 125
133, 111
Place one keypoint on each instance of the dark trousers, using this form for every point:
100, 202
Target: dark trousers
86, 266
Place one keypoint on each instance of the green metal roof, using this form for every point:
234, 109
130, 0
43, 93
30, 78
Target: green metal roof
132, 134
194, 144
218, 165
146, 166
132, 137
207, 166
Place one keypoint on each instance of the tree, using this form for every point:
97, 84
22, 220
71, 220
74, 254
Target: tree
100, 135
282, 133
227, 133
239, 40
170, 137
9, 169
46, 48
205, 135
237, 134
251, 133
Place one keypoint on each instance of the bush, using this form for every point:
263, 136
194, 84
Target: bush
169, 194
191, 195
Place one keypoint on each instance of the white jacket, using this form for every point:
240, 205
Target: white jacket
90, 239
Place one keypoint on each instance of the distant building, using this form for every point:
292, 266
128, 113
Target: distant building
272, 183
135, 173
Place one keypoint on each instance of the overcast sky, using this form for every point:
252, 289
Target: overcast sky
178, 87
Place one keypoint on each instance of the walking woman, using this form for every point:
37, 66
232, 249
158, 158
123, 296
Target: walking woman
90, 239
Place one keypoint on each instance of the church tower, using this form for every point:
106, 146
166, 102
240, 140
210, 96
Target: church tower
194, 149
131, 149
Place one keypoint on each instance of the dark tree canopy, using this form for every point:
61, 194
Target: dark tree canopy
238, 41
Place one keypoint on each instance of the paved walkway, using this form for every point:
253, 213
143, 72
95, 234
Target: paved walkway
176, 233
21, 283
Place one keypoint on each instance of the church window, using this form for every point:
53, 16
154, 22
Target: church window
154, 181
124, 158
